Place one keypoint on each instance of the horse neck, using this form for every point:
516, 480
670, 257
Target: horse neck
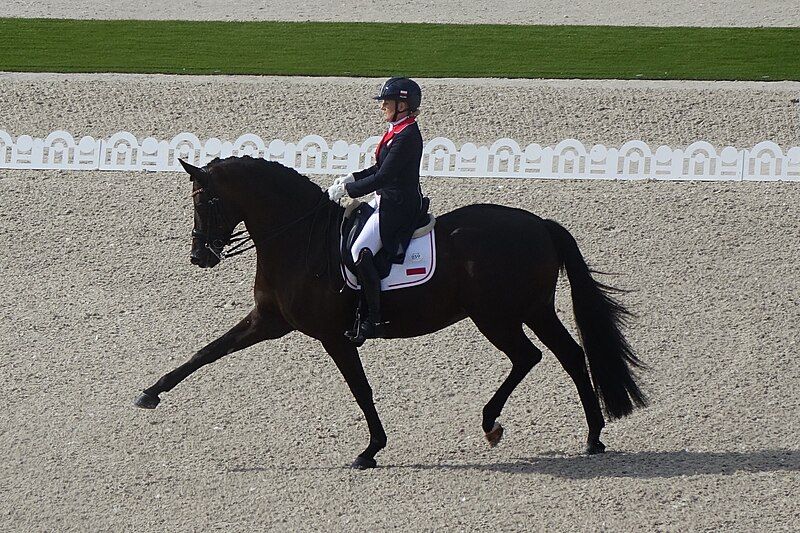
291, 235
264, 211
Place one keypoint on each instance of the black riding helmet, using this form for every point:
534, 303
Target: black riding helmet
401, 90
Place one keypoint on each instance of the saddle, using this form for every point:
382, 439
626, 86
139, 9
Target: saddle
353, 222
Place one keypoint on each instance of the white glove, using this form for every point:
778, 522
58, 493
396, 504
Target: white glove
344, 180
337, 191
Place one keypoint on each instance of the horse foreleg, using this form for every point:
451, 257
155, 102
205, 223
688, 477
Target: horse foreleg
345, 355
255, 327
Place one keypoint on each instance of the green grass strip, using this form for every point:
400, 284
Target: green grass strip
377, 49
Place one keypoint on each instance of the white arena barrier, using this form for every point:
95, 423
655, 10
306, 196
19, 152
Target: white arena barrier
505, 158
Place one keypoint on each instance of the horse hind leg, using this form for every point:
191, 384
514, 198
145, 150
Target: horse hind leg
509, 338
551, 331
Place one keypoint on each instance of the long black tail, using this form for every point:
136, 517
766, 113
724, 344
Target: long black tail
600, 319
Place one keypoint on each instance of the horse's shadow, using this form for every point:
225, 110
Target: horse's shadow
652, 464
646, 465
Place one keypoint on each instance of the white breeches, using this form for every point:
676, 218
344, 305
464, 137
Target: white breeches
370, 236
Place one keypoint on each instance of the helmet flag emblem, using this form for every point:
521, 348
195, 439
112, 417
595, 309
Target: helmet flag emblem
401, 89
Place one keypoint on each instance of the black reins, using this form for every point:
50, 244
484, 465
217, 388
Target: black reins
240, 238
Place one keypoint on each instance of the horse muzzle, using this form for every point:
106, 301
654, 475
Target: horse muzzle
204, 258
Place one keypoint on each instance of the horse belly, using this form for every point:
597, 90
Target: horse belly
425, 308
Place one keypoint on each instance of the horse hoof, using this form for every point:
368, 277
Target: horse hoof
147, 401
363, 463
595, 447
494, 436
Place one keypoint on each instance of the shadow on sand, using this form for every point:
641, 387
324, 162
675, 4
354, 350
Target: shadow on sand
615, 464
640, 464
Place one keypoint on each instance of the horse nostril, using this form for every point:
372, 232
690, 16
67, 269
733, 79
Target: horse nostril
194, 257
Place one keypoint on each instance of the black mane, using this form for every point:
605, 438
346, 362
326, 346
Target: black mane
263, 169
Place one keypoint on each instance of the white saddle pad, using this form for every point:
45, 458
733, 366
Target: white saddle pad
417, 269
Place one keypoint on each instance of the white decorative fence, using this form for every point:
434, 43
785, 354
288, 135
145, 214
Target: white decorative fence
569, 159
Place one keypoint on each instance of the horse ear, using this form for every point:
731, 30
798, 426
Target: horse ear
195, 173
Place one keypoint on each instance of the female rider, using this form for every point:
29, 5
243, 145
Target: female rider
394, 178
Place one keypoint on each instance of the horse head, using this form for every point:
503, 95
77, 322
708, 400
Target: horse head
214, 219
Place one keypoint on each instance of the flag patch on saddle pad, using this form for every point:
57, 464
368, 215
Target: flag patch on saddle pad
418, 267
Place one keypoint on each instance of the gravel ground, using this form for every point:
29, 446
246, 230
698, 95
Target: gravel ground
626, 12
479, 110
98, 299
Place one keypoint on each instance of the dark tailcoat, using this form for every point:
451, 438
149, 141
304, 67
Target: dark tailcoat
395, 177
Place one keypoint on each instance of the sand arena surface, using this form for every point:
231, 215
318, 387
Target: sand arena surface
747, 13
477, 110
98, 299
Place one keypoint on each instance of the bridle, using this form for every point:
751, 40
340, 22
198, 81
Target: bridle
216, 219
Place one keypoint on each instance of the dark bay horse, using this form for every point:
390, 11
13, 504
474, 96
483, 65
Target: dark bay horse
496, 265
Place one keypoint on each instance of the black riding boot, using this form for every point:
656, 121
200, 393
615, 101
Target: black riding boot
369, 326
